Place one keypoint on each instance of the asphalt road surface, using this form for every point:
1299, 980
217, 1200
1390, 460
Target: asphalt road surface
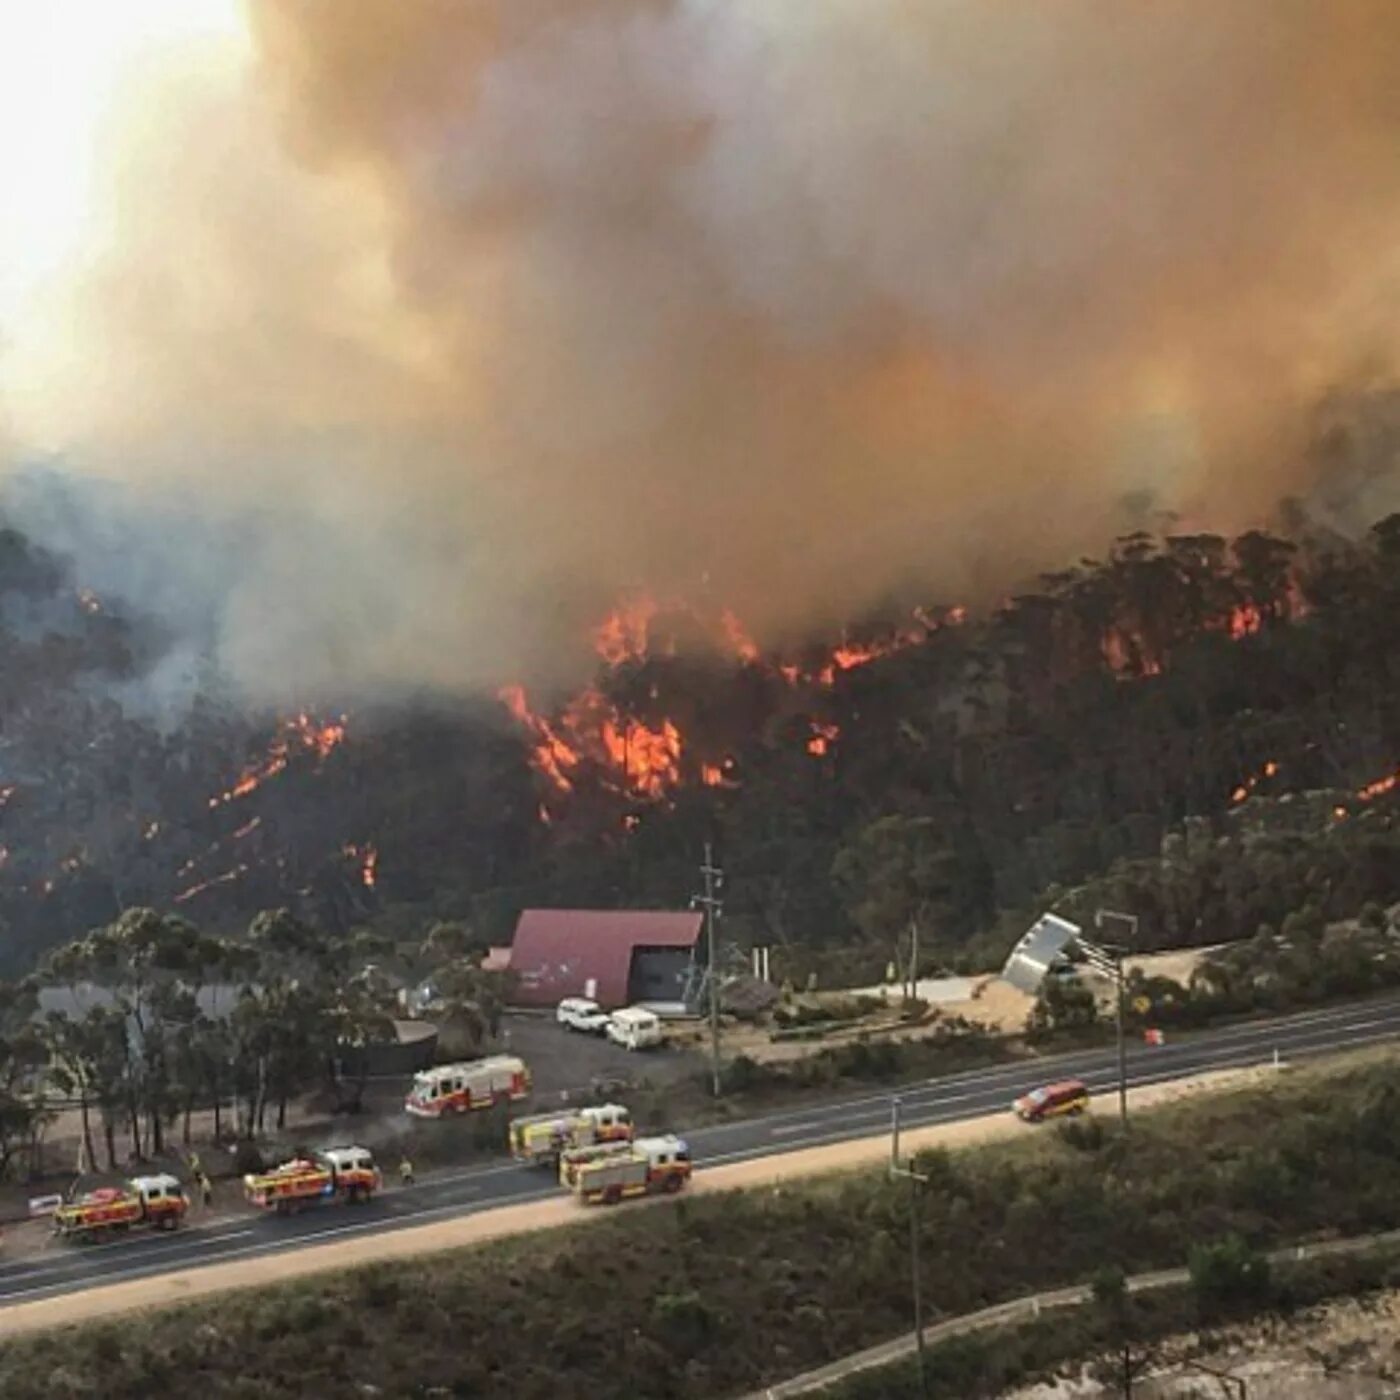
67, 1268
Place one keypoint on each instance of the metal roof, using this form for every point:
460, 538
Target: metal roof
557, 953
1032, 957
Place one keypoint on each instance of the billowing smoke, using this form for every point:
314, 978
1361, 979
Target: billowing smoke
451, 319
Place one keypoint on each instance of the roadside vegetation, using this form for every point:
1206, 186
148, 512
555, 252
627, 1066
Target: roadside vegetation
147, 1021
745, 1287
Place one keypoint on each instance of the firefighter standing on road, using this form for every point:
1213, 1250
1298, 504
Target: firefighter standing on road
406, 1171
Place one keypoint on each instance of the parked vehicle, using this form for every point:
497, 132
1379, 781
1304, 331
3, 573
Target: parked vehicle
652, 1165
1065, 1098
336, 1174
460, 1088
158, 1202
635, 1028
582, 1014
540, 1140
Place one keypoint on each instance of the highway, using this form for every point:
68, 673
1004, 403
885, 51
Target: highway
975, 1093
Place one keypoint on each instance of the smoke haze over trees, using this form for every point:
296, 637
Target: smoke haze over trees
413, 334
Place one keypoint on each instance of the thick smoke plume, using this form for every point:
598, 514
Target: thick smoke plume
464, 315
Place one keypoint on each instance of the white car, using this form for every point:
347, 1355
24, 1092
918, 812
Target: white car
582, 1014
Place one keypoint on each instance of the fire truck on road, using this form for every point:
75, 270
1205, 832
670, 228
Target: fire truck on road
311, 1178
650, 1165
460, 1088
543, 1138
155, 1201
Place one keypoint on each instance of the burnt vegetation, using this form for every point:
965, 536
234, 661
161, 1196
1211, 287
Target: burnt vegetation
1136, 720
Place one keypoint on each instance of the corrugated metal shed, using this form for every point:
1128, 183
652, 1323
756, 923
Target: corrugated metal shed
561, 953
1032, 957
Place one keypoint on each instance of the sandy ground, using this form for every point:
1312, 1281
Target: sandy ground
180, 1286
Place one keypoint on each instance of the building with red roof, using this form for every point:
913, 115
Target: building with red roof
617, 957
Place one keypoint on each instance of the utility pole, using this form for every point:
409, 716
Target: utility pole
1107, 958
916, 1180
713, 906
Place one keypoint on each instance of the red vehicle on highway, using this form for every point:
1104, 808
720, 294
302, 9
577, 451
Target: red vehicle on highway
1065, 1098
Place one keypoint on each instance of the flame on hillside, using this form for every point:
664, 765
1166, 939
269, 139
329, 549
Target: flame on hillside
646, 757
823, 737
298, 735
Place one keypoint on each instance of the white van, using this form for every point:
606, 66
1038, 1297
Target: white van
582, 1014
634, 1028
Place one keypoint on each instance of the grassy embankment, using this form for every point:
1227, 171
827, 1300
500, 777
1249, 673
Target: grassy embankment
717, 1294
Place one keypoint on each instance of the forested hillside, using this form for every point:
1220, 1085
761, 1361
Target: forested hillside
932, 761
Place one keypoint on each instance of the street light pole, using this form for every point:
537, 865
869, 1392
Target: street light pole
916, 1180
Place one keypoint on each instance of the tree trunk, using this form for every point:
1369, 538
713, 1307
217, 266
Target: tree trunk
282, 1110
109, 1131
189, 1111
87, 1127
134, 1115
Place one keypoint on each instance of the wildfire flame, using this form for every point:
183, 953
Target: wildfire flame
300, 734
823, 736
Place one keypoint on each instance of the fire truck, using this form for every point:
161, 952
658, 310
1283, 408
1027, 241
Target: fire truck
156, 1201
650, 1165
448, 1089
573, 1158
542, 1138
312, 1178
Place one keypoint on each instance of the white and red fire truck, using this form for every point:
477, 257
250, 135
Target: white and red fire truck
445, 1090
311, 1178
649, 1165
544, 1137
157, 1201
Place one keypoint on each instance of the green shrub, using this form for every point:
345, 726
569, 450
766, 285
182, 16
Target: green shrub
1228, 1275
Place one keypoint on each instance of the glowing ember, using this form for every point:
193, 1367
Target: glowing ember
225, 879
1379, 788
366, 859
89, 601
1245, 620
151, 832
1269, 770
6, 793
247, 828
823, 736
